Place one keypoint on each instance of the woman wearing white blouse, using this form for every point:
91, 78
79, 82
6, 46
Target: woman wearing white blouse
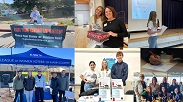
96, 21
105, 71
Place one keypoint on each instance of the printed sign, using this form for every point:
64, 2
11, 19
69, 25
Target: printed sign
38, 35
117, 90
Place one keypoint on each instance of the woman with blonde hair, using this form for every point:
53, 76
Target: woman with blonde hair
105, 71
96, 21
152, 30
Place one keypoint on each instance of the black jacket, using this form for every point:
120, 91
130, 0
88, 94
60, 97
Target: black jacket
120, 71
55, 84
29, 83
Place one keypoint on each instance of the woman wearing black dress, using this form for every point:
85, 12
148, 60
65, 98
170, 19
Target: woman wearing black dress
116, 29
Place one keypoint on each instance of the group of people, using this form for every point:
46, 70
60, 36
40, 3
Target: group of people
106, 20
29, 84
155, 91
119, 71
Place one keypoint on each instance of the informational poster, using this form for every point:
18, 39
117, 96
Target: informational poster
117, 90
105, 88
110, 62
38, 35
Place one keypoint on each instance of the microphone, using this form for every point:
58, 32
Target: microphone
158, 24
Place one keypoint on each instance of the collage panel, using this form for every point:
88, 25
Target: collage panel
160, 79
155, 23
37, 23
101, 24
102, 75
34, 75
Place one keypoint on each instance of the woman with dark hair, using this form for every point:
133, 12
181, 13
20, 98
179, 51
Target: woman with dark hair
116, 29
18, 86
97, 19
163, 95
105, 71
155, 87
29, 84
89, 76
176, 96
147, 94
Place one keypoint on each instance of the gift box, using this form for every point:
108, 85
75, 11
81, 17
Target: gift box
98, 36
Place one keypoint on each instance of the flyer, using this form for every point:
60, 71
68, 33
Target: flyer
117, 90
104, 88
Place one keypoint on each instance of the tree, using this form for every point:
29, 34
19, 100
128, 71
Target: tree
28, 4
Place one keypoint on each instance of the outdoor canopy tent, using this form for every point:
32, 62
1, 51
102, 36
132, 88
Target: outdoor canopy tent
34, 57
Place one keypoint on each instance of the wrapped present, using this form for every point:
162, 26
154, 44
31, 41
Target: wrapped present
97, 35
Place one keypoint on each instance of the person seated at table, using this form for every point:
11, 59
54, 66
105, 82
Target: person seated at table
176, 96
55, 84
147, 94
40, 86
64, 85
116, 29
18, 86
97, 19
34, 15
163, 94
152, 55
29, 84
89, 76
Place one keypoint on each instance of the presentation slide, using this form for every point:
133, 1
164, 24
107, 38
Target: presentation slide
142, 8
138, 13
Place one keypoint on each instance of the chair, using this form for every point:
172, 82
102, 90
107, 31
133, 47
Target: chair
10, 89
69, 96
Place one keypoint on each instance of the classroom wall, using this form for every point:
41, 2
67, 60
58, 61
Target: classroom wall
84, 56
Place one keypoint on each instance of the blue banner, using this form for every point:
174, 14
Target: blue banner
34, 57
38, 35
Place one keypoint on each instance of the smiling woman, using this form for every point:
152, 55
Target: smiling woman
116, 29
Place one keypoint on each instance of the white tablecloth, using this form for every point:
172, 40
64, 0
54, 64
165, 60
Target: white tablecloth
127, 98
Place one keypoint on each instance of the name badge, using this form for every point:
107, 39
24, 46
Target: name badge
105, 24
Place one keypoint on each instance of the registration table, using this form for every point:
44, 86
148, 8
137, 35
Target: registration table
48, 34
127, 98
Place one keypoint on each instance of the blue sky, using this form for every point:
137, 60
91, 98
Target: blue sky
66, 53
7, 1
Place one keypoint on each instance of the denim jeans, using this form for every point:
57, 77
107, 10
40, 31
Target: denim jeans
21, 92
153, 42
88, 86
29, 95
